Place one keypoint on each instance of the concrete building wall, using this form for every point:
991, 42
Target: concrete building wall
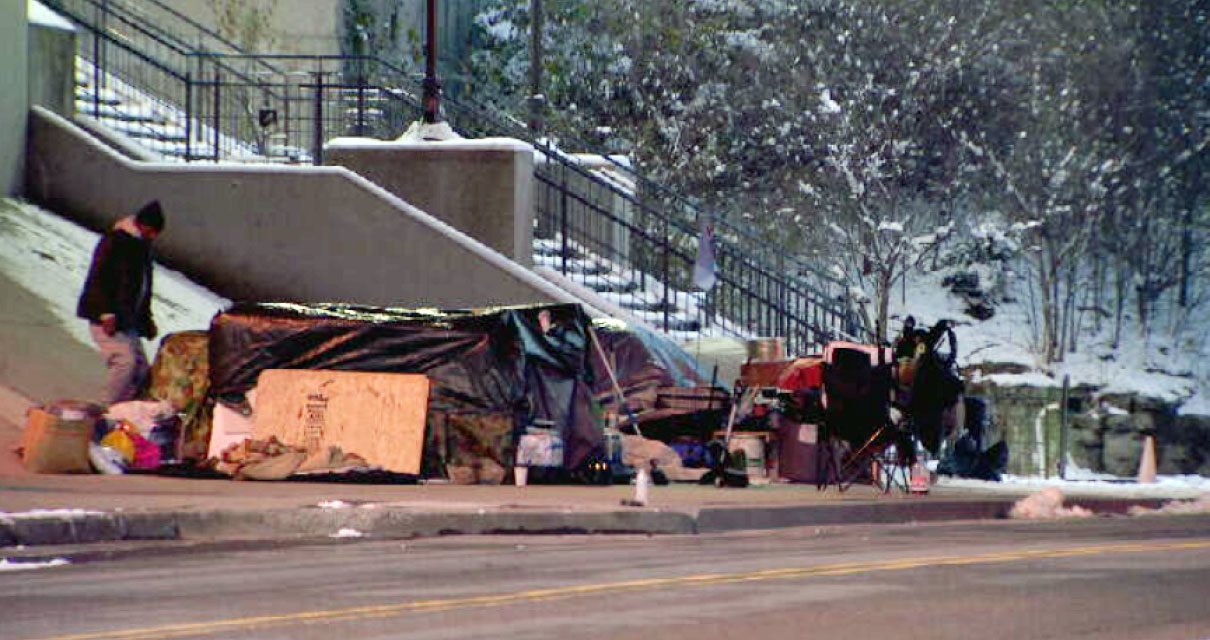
52, 68
309, 27
305, 234
317, 27
484, 191
14, 93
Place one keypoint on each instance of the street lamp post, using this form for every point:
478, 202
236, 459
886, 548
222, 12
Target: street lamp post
536, 99
432, 85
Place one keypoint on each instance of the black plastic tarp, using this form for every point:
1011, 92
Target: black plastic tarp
536, 363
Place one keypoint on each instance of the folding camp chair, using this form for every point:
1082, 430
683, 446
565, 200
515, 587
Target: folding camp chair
859, 437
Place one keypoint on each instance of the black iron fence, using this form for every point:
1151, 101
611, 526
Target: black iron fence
599, 222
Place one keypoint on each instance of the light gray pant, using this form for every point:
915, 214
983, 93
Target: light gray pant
126, 362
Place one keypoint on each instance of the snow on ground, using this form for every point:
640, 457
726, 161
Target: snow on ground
1156, 366
11, 565
48, 513
49, 256
1165, 487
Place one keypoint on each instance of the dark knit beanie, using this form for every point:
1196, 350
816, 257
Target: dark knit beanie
151, 215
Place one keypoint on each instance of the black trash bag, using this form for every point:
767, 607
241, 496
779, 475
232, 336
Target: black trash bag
993, 462
730, 467
967, 461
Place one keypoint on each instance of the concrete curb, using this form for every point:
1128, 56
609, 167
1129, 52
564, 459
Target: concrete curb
381, 523
394, 523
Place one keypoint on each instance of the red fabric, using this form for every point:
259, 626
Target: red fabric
804, 373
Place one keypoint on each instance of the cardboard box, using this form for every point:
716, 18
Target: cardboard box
379, 416
53, 445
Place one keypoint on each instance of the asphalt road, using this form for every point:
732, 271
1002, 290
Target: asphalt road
1104, 579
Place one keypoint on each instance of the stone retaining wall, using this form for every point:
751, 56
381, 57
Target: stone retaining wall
1106, 430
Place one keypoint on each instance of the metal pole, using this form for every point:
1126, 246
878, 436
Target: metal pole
564, 248
1064, 429
536, 99
96, 74
361, 106
664, 268
317, 128
432, 85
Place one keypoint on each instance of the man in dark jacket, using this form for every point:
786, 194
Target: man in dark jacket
116, 300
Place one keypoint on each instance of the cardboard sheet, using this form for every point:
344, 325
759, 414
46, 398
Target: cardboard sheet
379, 416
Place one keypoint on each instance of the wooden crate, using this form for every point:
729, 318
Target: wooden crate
762, 374
379, 416
693, 398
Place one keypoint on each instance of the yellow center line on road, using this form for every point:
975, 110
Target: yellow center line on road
537, 595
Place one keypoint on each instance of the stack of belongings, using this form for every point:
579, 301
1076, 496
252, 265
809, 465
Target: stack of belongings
493, 372
799, 421
79, 437
929, 385
139, 435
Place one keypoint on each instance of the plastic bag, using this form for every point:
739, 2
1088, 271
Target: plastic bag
106, 460
119, 440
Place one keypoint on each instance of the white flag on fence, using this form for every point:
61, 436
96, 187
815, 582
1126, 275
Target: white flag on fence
704, 267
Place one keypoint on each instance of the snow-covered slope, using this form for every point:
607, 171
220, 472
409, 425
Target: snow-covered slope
1172, 368
49, 256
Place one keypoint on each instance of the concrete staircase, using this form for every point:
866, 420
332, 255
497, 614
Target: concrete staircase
637, 293
160, 128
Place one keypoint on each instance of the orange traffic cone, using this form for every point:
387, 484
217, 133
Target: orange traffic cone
1147, 461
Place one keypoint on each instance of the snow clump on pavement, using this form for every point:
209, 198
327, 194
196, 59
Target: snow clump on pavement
1045, 505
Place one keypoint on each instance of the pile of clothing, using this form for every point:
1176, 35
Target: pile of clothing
272, 459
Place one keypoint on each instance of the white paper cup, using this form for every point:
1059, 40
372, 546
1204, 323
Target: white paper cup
520, 475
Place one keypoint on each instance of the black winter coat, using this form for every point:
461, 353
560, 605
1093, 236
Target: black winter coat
119, 282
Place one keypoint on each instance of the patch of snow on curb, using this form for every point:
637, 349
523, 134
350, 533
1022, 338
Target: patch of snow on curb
8, 565
49, 513
1200, 505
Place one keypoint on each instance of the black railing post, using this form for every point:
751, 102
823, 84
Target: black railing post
96, 74
218, 81
1064, 428
99, 60
361, 106
317, 128
664, 268
564, 232
188, 116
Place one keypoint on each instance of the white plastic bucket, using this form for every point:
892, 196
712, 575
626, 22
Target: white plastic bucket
753, 446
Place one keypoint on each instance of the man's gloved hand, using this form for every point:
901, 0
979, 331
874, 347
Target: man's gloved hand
109, 324
152, 330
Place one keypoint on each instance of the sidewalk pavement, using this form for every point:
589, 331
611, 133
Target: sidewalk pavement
65, 509
40, 361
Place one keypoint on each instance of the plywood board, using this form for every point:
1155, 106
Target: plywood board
379, 416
